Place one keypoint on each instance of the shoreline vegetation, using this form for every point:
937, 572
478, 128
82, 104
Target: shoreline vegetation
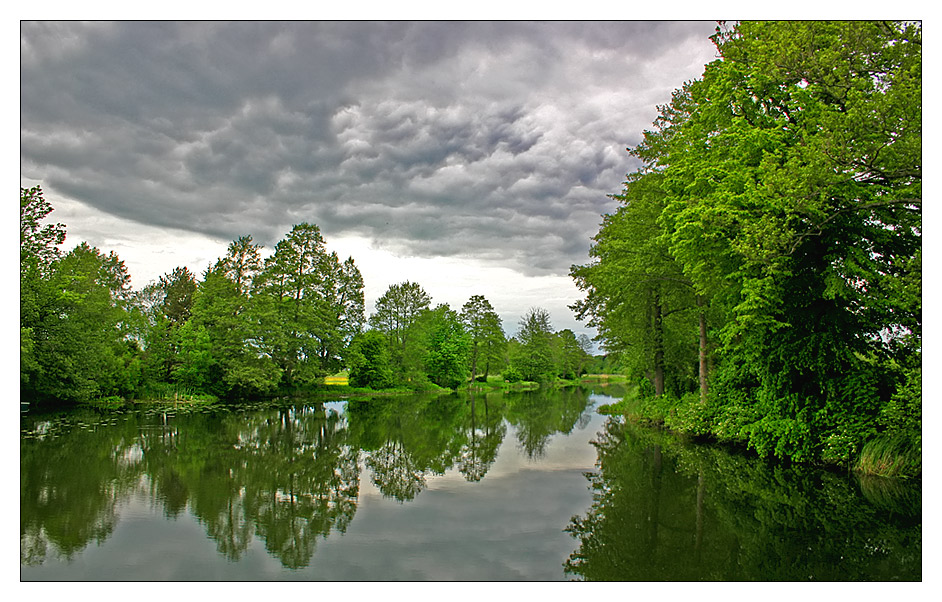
338, 387
758, 284
882, 457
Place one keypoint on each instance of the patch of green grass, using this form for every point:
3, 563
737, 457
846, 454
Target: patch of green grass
112, 402
890, 456
603, 379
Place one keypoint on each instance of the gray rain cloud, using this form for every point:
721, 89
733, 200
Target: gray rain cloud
497, 141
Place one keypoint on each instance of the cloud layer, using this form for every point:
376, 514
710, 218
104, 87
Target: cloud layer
492, 141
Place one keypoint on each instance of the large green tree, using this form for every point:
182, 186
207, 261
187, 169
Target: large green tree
166, 306
80, 343
39, 249
226, 314
487, 335
448, 348
790, 176
533, 358
310, 303
638, 296
395, 315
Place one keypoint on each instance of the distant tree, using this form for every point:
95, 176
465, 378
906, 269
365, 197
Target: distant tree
342, 311
80, 345
568, 355
398, 308
487, 336
448, 348
178, 288
395, 316
367, 358
290, 290
535, 359
166, 305
242, 364
242, 262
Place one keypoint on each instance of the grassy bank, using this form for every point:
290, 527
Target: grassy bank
883, 455
889, 456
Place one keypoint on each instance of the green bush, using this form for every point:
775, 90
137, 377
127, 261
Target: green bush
111, 402
512, 375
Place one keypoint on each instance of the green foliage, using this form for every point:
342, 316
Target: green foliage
782, 193
890, 456
76, 342
309, 304
511, 374
111, 402
368, 360
449, 349
239, 366
39, 244
196, 365
487, 336
397, 309
637, 294
534, 356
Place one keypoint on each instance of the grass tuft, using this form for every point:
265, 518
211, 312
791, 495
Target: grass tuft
890, 456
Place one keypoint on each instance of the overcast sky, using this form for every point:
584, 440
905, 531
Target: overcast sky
472, 158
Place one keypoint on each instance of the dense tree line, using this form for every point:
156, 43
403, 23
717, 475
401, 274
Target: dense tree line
762, 274
411, 344
252, 325
248, 326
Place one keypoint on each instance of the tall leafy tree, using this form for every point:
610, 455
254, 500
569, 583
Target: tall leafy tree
448, 348
311, 304
167, 305
534, 360
568, 354
487, 336
343, 310
291, 285
791, 180
396, 312
80, 340
637, 293
39, 249
226, 314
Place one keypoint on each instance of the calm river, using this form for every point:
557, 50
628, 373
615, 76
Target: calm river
532, 486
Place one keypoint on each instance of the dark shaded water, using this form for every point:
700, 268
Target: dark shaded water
524, 486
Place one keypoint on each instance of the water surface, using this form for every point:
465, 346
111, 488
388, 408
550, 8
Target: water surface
526, 486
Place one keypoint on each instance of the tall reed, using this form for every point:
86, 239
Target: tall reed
890, 456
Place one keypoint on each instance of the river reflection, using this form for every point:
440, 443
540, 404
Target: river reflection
517, 486
667, 510
285, 475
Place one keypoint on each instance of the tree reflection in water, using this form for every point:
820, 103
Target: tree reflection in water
669, 510
288, 476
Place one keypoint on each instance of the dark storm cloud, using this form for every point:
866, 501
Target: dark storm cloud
495, 140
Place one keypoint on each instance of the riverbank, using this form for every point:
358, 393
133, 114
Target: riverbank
882, 455
337, 387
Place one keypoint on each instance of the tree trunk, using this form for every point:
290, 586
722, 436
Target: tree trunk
703, 351
474, 364
658, 347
